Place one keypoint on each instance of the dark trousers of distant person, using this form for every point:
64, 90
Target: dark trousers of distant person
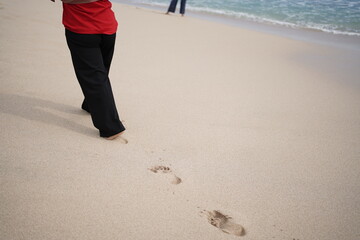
91, 56
173, 4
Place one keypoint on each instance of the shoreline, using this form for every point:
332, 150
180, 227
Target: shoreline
299, 34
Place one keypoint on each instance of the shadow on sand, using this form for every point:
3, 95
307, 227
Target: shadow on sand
40, 110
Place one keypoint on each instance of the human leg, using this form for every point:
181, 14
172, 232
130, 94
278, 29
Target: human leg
92, 75
182, 7
107, 46
172, 7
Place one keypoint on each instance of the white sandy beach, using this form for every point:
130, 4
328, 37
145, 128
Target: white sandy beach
259, 127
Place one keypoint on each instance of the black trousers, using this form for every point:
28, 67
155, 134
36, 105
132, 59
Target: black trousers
173, 4
91, 56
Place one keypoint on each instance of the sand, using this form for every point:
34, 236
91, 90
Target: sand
232, 133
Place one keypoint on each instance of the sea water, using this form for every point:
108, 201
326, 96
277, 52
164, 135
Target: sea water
341, 17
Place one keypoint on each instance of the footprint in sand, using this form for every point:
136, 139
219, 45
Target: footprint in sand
224, 223
163, 169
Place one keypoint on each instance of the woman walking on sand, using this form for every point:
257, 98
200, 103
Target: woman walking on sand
173, 4
90, 29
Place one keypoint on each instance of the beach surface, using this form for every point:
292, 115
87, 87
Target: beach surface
232, 133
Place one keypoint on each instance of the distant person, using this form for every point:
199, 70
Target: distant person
90, 30
173, 4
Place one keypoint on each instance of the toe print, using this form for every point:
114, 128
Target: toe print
163, 169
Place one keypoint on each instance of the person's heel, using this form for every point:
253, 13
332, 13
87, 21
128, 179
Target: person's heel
114, 136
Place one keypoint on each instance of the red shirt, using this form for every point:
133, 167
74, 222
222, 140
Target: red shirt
90, 18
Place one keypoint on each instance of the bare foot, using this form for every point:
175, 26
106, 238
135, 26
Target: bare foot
114, 136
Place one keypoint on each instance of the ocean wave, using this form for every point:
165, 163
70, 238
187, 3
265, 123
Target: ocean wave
297, 21
246, 16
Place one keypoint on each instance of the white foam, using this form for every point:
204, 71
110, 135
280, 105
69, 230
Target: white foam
240, 15
301, 23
